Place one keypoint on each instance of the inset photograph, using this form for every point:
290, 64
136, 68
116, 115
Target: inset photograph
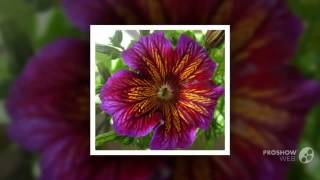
160, 90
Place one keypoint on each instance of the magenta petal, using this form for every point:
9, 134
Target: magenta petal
172, 140
151, 55
126, 96
198, 101
191, 61
134, 127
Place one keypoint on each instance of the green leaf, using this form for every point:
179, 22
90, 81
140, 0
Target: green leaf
144, 32
6, 75
41, 5
103, 63
190, 34
57, 26
116, 39
99, 83
143, 142
307, 56
200, 38
125, 140
116, 65
103, 138
173, 36
109, 50
208, 134
217, 54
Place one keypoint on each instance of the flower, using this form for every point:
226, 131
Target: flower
264, 37
170, 89
269, 99
49, 110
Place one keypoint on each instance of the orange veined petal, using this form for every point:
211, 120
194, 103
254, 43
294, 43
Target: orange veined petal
191, 61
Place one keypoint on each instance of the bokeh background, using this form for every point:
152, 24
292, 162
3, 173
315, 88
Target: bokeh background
27, 25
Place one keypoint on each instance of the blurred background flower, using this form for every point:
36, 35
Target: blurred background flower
272, 104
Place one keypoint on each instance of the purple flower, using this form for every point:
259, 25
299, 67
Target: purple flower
268, 106
169, 90
269, 99
49, 108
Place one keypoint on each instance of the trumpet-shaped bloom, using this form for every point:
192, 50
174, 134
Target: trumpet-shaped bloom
169, 90
268, 107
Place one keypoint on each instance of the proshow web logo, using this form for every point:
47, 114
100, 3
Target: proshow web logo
306, 154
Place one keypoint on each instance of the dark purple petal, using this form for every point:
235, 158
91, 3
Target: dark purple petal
70, 159
191, 61
245, 162
273, 43
259, 31
80, 12
138, 12
130, 100
163, 139
179, 11
276, 100
279, 86
197, 102
51, 97
245, 18
49, 110
105, 12
268, 112
152, 56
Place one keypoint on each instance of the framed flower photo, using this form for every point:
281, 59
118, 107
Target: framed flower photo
160, 90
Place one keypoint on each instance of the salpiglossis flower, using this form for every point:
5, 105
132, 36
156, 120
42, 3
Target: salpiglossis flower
264, 37
169, 90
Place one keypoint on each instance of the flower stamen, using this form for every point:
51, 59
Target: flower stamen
165, 92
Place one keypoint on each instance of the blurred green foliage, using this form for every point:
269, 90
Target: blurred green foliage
54, 25
17, 31
25, 27
307, 60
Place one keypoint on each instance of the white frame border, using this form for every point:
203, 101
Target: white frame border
226, 151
